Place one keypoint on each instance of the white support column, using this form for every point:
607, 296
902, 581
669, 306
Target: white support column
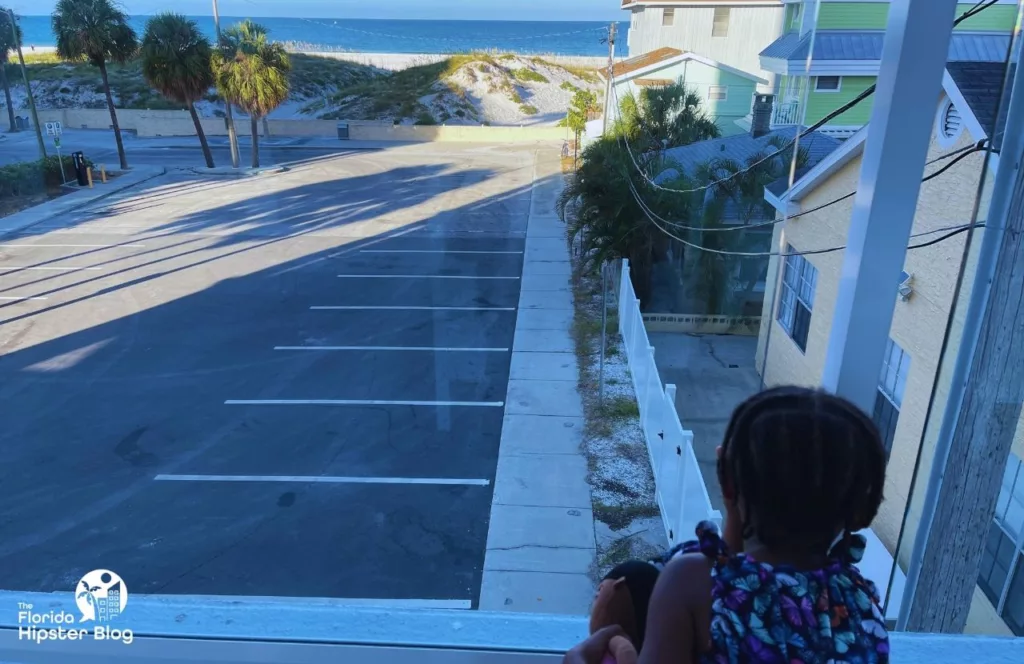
909, 82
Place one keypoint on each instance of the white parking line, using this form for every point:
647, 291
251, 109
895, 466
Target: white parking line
354, 308
19, 299
417, 276
439, 349
323, 479
357, 402
431, 251
73, 246
56, 269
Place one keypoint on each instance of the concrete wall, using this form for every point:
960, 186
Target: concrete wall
751, 29
917, 327
179, 123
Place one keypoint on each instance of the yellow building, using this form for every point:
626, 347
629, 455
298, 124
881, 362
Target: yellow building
799, 307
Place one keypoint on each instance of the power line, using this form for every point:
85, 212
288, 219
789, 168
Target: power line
870, 90
953, 231
959, 154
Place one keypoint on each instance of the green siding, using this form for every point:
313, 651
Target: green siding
820, 104
994, 19
853, 15
873, 15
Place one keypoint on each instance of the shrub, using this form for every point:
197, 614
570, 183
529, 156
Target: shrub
33, 177
526, 74
528, 109
425, 118
515, 97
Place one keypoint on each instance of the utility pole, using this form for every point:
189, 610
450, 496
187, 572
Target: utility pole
232, 137
28, 88
612, 29
982, 410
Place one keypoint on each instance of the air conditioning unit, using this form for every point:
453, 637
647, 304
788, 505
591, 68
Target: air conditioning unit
906, 288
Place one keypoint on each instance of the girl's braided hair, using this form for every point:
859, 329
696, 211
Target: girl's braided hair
805, 465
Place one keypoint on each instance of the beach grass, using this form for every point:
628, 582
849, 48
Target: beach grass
399, 94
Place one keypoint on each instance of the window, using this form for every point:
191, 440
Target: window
718, 93
828, 84
799, 279
668, 17
891, 385
796, 16
996, 562
720, 28
1001, 576
1010, 504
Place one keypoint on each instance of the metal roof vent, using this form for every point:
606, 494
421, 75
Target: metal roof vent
950, 124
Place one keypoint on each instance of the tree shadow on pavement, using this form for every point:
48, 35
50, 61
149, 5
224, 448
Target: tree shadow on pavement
92, 415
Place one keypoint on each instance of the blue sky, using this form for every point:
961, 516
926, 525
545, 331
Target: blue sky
522, 10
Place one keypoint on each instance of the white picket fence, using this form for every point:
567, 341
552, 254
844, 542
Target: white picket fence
682, 494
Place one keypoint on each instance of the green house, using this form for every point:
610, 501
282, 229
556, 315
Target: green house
846, 38
726, 93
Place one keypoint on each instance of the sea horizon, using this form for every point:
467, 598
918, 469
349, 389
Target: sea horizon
581, 38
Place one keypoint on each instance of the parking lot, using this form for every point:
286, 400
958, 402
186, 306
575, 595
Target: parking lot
287, 385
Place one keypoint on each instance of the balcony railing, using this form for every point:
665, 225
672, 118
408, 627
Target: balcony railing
786, 113
212, 630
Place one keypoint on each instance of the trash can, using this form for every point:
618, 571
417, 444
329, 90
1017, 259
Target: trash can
21, 122
343, 131
78, 159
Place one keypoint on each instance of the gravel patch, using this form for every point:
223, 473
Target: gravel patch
627, 519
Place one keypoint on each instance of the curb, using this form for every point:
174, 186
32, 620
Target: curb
38, 213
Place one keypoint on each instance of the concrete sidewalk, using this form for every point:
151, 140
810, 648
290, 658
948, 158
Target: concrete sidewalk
540, 543
76, 200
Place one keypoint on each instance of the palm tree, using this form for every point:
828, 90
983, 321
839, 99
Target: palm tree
176, 61
8, 43
97, 31
252, 73
601, 211
737, 199
664, 117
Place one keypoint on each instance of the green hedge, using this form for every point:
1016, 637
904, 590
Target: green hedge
34, 177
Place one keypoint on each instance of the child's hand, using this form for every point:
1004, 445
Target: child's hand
621, 650
594, 648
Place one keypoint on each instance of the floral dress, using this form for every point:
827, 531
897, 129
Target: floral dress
777, 614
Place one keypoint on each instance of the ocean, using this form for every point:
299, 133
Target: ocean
395, 36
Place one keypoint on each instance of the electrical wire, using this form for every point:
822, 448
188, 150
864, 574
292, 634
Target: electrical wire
959, 154
870, 90
953, 231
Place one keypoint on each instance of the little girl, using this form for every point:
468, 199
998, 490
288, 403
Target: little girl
801, 471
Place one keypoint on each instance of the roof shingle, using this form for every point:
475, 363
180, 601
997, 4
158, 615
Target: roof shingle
645, 60
981, 84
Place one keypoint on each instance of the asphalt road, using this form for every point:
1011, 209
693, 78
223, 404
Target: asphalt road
199, 402
189, 156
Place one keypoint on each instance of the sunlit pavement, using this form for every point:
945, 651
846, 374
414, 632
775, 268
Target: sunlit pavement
289, 385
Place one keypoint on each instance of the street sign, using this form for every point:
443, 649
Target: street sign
54, 129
